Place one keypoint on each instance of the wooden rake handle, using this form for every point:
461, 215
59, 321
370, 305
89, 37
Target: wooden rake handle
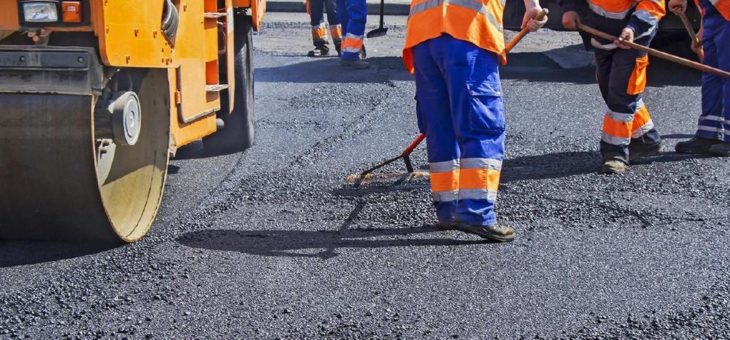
657, 53
516, 40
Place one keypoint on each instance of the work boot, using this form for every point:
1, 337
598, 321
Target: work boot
355, 64
721, 149
696, 145
614, 166
496, 232
640, 150
338, 48
319, 50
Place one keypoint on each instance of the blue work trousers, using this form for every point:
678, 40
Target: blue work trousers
714, 122
460, 110
352, 15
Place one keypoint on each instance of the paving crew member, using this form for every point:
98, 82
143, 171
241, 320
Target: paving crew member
353, 16
713, 132
316, 10
454, 48
628, 131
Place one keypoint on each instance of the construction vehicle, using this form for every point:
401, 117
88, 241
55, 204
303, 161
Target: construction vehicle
96, 95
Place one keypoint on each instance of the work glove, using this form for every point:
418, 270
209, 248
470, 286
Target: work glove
678, 6
529, 21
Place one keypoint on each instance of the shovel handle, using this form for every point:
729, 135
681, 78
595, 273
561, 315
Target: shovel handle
657, 53
692, 34
413, 145
517, 38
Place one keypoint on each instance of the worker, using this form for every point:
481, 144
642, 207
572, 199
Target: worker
628, 130
353, 16
713, 133
454, 49
316, 9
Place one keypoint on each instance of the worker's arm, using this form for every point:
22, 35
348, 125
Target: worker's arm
645, 19
532, 8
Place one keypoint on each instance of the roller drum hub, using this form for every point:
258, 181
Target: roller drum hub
126, 118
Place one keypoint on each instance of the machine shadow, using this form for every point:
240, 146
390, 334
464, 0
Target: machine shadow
13, 254
328, 70
322, 244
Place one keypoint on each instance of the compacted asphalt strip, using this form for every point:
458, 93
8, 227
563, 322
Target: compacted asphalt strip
273, 243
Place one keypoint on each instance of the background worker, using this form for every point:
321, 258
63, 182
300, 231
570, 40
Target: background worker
316, 9
713, 131
353, 16
628, 131
454, 49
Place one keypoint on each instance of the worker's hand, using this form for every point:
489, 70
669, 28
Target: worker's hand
571, 20
678, 6
530, 22
627, 35
698, 48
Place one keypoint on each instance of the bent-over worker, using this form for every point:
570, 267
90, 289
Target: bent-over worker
628, 130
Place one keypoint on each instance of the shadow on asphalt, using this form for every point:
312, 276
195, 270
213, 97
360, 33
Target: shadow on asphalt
320, 244
13, 254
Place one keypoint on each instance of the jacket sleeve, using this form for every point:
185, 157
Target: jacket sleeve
568, 5
647, 16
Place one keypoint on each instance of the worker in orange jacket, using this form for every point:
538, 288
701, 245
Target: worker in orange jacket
713, 130
454, 49
628, 130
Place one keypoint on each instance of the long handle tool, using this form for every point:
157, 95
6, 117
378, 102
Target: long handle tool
657, 53
692, 34
406, 155
517, 38
382, 30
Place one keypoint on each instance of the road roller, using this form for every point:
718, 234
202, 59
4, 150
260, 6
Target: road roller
97, 95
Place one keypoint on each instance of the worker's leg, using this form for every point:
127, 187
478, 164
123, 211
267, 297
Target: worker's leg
710, 123
319, 28
628, 120
342, 15
475, 96
335, 28
434, 121
355, 32
721, 38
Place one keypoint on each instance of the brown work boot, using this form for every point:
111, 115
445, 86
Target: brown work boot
721, 149
355, 64
613, 167
696, 145
496, 232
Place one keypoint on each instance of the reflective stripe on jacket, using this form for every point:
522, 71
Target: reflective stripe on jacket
476, 21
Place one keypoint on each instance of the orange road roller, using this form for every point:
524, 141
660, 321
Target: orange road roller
96, 95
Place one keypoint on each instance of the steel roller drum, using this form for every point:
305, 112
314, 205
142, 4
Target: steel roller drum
59, 182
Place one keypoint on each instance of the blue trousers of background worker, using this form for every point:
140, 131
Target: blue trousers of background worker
715, 120
352, 15
460, 110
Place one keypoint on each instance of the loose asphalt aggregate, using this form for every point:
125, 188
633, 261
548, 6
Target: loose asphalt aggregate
273, 243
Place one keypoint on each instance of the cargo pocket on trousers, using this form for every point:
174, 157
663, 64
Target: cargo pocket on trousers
486, 107
637, 82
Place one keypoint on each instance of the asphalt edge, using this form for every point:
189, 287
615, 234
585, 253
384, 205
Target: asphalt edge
373, 8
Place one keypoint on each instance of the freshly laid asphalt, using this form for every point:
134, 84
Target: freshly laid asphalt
273, 243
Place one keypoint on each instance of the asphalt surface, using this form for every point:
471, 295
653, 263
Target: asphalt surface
273, 243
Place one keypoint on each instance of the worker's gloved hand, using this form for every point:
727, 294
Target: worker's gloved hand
530, 22
627, 35
571, 20
678, 6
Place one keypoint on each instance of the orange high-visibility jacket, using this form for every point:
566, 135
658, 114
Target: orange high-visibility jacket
475, 21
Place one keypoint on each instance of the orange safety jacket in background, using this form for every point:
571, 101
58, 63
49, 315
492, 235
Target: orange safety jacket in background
476, 21
649, 12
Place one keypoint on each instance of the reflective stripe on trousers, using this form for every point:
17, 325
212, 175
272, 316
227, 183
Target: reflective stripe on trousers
460, 110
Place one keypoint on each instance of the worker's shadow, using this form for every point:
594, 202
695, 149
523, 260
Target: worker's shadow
322, 244
13, 254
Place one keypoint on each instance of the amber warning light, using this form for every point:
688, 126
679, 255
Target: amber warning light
71, 11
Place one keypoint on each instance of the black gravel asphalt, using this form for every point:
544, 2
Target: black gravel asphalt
274, 244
